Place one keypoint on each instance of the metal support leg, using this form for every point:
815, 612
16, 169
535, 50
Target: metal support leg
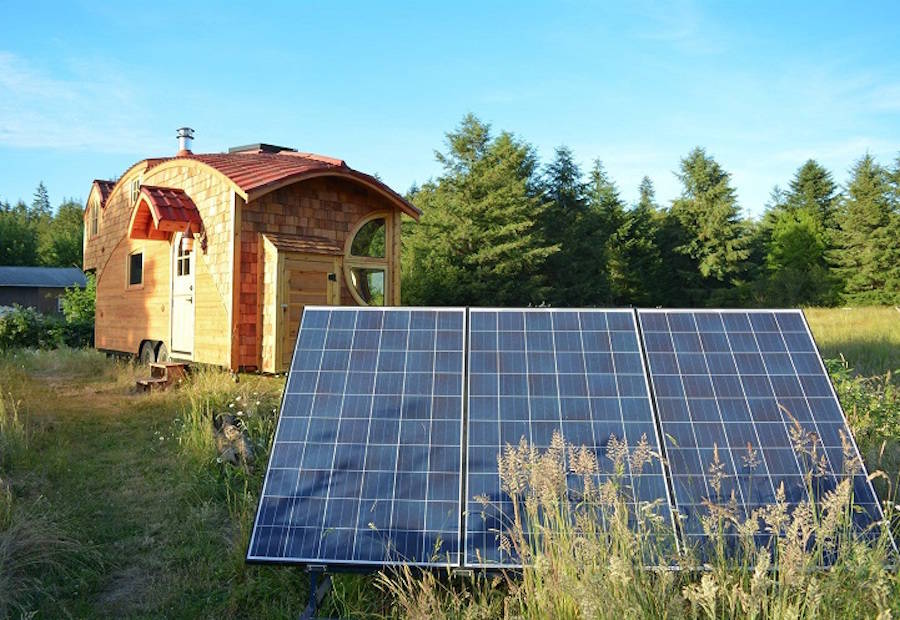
319, 587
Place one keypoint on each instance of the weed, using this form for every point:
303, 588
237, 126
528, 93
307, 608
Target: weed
33, 551
593, 556
13, 432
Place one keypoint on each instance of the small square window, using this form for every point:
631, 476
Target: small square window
136, 269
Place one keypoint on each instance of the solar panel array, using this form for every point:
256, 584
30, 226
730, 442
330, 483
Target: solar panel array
366, 464
745, 407
382, 404
533, 373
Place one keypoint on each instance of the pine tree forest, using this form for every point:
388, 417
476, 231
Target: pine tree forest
500, 228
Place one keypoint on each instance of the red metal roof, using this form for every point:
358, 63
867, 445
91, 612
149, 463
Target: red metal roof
254, 172
105, 188
163, 210
171, 205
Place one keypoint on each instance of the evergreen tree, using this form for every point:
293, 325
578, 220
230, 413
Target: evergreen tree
894, 178
867, 254
813, 190
712, 234
60, 241
797, 235
575, 273
18, 235
40, 205
638, 251
607, 216
795, 259
479, 241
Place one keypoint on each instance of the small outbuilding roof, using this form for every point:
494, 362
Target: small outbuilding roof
304, 243
45, 277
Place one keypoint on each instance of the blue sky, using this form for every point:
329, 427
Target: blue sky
87, 89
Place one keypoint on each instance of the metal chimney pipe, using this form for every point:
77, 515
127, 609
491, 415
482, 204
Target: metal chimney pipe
185, 136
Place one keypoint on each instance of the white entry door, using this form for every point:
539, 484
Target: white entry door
182, 299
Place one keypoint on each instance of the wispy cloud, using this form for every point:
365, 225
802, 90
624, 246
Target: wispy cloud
91, 107
680, 24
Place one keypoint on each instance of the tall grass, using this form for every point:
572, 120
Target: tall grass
33, 547
867, 337
213, 395
599, 555
13, 432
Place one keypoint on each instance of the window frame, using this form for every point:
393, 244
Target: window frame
94, 219
128, 285
182, 260
369, 262
134, 190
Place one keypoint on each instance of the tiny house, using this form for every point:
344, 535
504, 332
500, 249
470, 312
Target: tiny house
211, 258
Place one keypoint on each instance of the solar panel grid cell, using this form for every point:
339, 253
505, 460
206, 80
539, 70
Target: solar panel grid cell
366, 464
746, 408
533, 373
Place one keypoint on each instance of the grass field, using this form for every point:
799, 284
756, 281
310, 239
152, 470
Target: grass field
869, 338
113, 504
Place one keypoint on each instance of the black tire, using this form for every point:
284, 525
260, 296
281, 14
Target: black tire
147, 353
162, 353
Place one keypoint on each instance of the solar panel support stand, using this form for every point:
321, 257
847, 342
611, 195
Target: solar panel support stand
319, 587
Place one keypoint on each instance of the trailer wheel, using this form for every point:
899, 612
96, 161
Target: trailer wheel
147, 353
162, 353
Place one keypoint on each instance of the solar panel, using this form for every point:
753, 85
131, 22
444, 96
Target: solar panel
366, 463
746, 406
539, 371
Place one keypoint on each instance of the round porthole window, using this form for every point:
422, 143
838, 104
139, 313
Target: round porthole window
366, 265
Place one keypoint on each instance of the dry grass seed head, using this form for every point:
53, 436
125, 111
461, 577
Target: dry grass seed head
851, 463
716, 472
617, 452
751, 459
641, 455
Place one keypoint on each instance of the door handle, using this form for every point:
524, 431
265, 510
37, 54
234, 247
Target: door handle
284, 306
190, 300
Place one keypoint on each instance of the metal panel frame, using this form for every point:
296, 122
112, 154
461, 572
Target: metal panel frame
808, 331
364, 564
632, 312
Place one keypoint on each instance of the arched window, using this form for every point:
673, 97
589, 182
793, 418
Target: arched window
366, 261
94, 219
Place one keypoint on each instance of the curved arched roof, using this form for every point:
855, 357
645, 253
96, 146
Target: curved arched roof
257, 174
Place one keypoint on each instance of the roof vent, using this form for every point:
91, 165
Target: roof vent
185, 136
260, 147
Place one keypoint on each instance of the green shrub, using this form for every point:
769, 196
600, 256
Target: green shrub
78, 303
28, 328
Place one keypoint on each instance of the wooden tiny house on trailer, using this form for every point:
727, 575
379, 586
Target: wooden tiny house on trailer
212, 257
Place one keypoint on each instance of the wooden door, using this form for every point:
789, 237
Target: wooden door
182, 300
303, 280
